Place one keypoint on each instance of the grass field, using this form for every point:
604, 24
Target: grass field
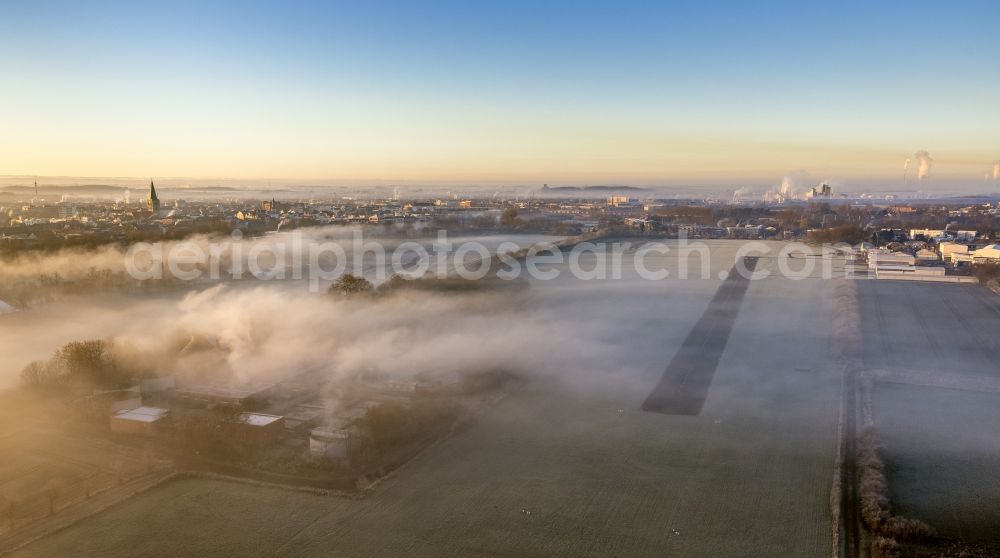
38, 464
569, 465
940, 443
942, 450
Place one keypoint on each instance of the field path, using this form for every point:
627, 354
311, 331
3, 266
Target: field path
850, 505
78, 512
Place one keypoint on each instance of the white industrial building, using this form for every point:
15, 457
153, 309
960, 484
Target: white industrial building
261, 428
941, 234
927, 233
949, 248
884, 264
880, 257
141, 420
987, 254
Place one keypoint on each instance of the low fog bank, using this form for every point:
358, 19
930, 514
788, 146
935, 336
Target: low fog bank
73, 263
270, 332
36, 278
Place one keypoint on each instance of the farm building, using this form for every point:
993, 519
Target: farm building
119, 405
305, 416
329, 443
242, 395
144, 421
260, 429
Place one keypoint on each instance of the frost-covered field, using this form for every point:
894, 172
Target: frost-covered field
569, 464
942, 450
940, 432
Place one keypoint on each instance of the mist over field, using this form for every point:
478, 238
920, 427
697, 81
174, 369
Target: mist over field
263, 331
590, 350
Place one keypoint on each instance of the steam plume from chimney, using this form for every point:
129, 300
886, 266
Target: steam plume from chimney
906, 167
924, 162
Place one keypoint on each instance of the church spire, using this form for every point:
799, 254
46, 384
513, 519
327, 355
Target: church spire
153, 202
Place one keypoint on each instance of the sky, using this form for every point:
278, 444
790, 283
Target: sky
644, 93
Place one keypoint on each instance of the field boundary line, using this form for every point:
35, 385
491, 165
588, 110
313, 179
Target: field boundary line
837, 486
978, 384
846, 340
55, 523
195, 474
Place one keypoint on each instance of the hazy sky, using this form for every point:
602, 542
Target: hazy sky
557, 92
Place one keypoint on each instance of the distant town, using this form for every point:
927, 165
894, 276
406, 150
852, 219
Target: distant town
948, 234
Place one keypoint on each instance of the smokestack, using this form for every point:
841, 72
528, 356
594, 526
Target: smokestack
924, 162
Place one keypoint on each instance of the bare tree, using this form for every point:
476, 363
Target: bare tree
351, 284
52, 491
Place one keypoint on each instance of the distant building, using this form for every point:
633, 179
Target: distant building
66, 211
949, 248
879, 258
153, 202
989, 254
929, 234
927, 255
639, 224
936, 234
143, 421
260, 429
746, 232
120, 405
822, 191
886, 236
247, 395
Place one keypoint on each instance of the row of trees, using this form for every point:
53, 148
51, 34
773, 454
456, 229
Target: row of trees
876, 508
78, 365
388, 431
988, 273
352, 285
850, 234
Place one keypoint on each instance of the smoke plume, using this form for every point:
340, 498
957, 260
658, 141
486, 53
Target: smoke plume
924, 163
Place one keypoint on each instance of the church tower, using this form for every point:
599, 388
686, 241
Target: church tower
153, 202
